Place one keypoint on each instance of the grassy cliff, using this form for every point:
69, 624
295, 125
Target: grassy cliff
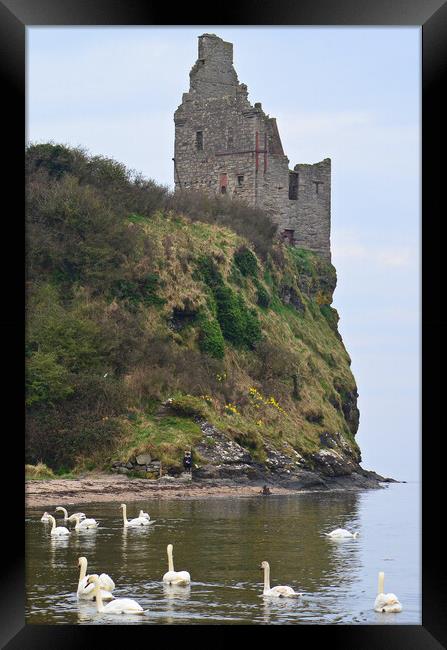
149, 314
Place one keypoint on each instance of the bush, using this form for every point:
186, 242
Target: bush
246, 262
239, 324
207, 271
211, 340
140, 291
46, 380
251, 223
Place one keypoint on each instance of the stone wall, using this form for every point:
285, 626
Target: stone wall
223, 144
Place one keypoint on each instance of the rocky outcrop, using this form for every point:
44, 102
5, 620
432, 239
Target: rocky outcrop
350, 410
336, 464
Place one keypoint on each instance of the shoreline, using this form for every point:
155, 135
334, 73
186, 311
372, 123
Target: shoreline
108, 488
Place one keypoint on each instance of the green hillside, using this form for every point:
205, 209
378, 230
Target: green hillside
148, 314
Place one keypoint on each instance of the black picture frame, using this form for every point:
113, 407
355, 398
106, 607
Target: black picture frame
431, 16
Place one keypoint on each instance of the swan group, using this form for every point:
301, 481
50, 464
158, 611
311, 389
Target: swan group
85, 524
86, 590
100, 587
81, 515
137, 521
117, 605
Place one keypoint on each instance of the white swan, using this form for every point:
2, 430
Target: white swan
84, 524
341, 532
45, 517
138, 521
281, 591
58, 531
116, 606
386, 602
81, 515
144, 514
172, 577
87, 591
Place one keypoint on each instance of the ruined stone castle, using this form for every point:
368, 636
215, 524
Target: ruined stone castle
225, 145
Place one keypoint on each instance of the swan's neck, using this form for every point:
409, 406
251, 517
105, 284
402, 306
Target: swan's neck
64, 511
381, 585
98, 596
125, 514
83, 572
53, 523
170, 560
267, 578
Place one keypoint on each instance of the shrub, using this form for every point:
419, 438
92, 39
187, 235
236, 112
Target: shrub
251, 223
211, 340
46, 380
207, 271
140, 291
239, 324
246, 262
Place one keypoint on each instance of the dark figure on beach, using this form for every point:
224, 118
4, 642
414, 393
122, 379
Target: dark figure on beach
265, 491
187, 461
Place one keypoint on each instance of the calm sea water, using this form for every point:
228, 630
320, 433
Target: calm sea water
222, 542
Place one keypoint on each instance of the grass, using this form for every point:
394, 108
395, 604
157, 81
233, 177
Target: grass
38, 472
164, 438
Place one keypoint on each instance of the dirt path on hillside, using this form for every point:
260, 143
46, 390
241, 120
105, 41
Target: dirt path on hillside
102, 488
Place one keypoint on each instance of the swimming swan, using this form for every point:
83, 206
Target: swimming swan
281, 591
58, 531
341, 532
87, 591
84, 524
116, 606
175, 577
386, 602
45, 517
81, 515
138, 521
144, 514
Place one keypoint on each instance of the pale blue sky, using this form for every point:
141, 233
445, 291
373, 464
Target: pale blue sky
348, 93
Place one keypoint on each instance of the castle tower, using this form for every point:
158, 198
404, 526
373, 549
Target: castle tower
225, 145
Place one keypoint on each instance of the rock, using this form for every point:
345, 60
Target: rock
129, 465
120, 470
219, 448
143, 459
332, 463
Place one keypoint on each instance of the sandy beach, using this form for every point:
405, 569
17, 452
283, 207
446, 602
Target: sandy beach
103, 488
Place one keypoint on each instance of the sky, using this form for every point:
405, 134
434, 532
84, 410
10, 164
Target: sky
351, 94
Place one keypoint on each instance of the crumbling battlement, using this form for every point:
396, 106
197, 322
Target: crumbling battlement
225, 145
